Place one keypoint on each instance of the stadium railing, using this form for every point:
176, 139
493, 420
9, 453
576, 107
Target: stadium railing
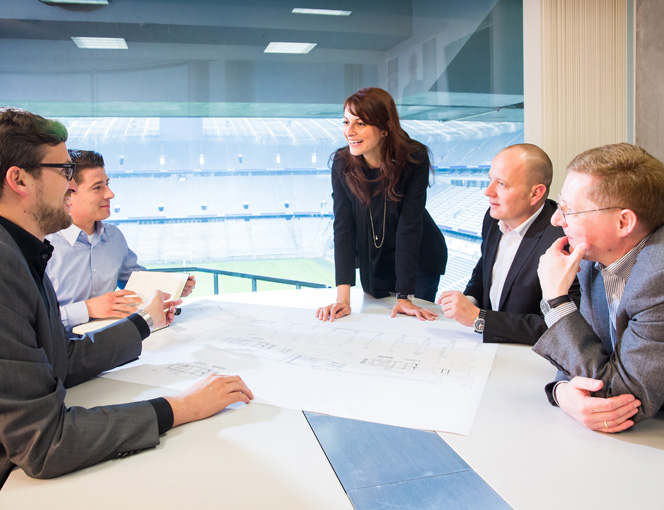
254, 277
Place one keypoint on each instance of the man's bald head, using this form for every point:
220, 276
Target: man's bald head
537, 164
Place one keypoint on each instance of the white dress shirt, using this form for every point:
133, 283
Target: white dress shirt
507, 248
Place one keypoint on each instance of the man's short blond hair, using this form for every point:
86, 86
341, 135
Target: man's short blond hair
627, 177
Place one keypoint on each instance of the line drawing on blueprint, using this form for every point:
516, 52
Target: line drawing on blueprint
230, 328
192, 370
367, 367
391, 363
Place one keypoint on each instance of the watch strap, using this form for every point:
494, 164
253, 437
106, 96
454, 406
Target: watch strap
480, 321
547, 305
146, 317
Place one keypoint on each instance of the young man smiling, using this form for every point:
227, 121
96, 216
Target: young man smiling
92, 258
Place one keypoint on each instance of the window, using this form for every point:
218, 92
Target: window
217, 151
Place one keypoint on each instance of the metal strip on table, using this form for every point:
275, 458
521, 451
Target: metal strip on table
383, 466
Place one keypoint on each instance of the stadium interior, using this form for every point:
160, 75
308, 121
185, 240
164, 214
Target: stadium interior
259, 188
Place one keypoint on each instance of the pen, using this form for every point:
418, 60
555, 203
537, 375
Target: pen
178, 311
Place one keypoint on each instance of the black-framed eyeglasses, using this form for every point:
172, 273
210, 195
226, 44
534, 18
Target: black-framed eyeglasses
566, 214
68, 168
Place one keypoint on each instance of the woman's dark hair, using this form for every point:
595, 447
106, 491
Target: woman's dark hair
375, 107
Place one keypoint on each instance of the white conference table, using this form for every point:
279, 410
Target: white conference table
260, 456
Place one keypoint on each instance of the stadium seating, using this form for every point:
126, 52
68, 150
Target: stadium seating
197, 190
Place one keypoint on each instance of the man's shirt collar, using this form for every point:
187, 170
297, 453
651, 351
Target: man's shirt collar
36, 252
523, 228
623, 266
72, 233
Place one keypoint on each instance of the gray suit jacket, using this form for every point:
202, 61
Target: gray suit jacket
37, 362
580, 343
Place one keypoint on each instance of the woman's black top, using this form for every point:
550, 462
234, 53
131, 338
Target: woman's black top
412, 238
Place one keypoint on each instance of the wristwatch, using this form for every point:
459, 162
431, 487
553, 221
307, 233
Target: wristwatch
479, 322
409, 297
146, 317
546, 305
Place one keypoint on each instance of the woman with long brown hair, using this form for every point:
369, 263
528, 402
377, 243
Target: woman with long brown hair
379, 183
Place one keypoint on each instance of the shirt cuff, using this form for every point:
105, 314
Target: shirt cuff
140, 324
74, 314
164, 414
553, 391
557, 313
473, 300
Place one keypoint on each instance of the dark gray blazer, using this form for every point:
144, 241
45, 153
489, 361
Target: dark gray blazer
518, 318
37, 362
580, 343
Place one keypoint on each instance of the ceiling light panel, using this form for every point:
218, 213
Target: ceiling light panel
321, 12
75, 2
289, 47
100, 43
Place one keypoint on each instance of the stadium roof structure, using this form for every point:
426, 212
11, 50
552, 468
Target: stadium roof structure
205, 58
296, 130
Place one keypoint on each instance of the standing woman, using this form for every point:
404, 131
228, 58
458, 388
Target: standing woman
379, 183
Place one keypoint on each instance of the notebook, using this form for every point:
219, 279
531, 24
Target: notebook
142, 283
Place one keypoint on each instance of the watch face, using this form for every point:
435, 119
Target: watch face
544, 306
479, 325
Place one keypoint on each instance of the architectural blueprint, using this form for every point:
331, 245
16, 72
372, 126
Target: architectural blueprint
401, 371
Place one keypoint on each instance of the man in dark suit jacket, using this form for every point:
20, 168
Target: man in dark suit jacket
610, 351
37, 361
502, 298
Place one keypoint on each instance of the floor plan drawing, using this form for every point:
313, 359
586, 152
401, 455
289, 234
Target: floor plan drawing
189, 370
423, 374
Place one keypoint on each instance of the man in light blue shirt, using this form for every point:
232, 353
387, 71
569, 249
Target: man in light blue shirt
91, 258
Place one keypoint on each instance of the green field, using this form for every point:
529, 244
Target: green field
307, 270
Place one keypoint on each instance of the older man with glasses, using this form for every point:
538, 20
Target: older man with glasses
610, 351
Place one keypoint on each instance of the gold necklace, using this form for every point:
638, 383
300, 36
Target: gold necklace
373, 233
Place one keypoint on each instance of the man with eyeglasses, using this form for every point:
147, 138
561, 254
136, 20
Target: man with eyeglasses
91, 258
610, 351
501, 300
38, 432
